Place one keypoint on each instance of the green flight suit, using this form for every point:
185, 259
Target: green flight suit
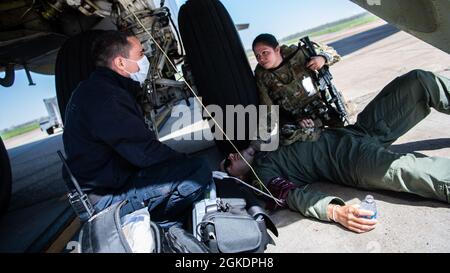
358, 155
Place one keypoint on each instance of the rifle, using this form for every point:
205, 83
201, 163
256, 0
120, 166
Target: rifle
322, 78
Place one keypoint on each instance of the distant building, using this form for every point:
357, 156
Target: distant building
54, 117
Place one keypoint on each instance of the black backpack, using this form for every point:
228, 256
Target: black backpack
103, 234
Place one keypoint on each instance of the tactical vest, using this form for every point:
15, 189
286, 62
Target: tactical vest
284, 84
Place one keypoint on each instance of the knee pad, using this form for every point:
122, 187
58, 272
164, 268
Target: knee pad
190, 188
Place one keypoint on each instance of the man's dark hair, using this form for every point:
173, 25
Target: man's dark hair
108, 45
266, 39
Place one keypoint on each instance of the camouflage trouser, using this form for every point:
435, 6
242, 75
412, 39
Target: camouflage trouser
293, 133
399, 107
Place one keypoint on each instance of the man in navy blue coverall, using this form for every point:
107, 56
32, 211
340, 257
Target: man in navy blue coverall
109, 148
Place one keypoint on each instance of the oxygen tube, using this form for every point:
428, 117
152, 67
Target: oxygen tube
222, 175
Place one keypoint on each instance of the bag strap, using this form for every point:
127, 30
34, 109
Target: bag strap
256, 211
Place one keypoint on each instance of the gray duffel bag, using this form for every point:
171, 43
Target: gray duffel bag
229, 227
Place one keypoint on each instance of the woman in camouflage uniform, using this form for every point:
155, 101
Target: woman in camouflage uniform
283, 77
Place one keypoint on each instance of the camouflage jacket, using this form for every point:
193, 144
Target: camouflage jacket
283, 86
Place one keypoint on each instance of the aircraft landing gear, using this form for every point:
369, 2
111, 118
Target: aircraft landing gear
5, 178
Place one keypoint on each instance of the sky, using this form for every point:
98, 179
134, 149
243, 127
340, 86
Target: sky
285, 17
22, 103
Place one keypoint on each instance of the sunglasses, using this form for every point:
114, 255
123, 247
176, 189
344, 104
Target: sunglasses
226, 164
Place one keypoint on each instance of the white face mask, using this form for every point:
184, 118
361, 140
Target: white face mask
141, 75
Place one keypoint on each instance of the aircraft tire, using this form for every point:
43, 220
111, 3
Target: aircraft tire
219, 64
5, 178
74, 64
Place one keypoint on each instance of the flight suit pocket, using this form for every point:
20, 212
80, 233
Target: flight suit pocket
381, 129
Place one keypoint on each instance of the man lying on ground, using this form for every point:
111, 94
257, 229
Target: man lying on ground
357, 156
